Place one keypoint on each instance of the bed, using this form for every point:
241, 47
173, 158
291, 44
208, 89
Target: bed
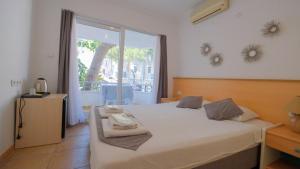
182, 139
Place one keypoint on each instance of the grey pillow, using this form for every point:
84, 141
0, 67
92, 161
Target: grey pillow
192, 102
222, 110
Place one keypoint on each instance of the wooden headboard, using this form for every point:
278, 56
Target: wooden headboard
267, 97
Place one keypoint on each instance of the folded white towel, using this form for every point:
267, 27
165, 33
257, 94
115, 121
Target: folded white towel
122, 122
105, 114
108, 131
123, 119
113, 109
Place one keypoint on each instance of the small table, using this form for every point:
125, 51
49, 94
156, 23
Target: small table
43, 120
284, 140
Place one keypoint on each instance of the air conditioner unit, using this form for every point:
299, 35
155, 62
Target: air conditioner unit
209, 8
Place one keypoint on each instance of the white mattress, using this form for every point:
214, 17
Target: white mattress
182, 139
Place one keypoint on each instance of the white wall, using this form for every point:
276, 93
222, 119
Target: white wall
47, 27
232, 30
15, 29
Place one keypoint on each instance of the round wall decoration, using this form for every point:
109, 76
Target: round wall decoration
205, 49
252, 53
216, 59
271, 28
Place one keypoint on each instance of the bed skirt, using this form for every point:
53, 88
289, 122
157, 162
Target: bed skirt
247, 159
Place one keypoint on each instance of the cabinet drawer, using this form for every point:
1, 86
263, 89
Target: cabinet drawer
284, 145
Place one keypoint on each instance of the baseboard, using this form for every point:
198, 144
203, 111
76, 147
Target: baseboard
6, 154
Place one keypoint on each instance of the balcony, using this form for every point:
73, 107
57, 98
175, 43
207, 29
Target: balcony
102, 93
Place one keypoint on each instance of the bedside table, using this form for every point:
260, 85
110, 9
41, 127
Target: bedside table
168, 100
284, 140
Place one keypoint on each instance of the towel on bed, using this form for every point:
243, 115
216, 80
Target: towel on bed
104, 114
109, 131
113, 109
123, 120
129, 142
119, 126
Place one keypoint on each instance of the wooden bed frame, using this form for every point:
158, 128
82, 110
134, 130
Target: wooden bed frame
266, 97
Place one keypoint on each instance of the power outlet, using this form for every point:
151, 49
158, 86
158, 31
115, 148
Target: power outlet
12, 83
15, 83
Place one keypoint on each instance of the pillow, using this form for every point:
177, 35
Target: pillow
206, 102
192, 102
246, 116
222, 110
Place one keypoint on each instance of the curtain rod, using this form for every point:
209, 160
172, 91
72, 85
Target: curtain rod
110, 24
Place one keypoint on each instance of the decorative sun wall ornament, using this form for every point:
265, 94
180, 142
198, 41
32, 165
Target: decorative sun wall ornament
252, 53
205, 49
216, 59
271, 28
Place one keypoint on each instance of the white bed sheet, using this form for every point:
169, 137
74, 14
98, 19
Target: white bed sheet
182, 139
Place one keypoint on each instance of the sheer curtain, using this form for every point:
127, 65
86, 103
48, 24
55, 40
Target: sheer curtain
76, 114
156, 71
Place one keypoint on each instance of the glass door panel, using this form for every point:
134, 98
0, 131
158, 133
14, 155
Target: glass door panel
116, 66
98, 58
138, 68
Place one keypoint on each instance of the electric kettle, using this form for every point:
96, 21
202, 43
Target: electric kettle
41, 86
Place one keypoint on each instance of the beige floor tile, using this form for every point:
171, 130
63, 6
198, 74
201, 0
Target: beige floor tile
70, 159
68, 143
31, 161
81, 129
72, 153
48, 149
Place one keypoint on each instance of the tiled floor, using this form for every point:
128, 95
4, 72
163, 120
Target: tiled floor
72, 153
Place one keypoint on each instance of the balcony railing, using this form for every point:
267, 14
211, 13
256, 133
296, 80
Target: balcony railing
101, 92
137, 85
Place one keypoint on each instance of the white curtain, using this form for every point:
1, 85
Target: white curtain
156, 71
76, 114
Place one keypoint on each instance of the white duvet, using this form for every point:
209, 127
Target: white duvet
182, 139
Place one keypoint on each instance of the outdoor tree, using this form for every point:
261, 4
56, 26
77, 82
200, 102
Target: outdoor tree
100, 50
92, 45
137, 56
82, 70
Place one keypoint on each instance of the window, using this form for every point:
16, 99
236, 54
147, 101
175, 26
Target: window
115, 64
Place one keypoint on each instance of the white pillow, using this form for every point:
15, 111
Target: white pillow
246, 116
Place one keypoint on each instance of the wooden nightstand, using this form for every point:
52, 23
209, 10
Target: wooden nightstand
168, 100
284, 140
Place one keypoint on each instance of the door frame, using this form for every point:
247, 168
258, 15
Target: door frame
121, 30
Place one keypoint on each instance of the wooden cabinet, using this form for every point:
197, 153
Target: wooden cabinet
282, 164
41, 122
284, 140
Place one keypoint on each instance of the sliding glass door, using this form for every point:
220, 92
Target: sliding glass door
98, 58
139, 68
116, 66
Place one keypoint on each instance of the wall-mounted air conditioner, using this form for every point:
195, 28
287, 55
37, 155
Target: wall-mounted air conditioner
209, 8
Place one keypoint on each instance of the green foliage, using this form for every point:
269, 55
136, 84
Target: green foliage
82, 70
99, 77
90, 44
130, 54
113, 54
144, 55
135, 54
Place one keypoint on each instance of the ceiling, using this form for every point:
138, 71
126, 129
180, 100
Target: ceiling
132, 39
167, 8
